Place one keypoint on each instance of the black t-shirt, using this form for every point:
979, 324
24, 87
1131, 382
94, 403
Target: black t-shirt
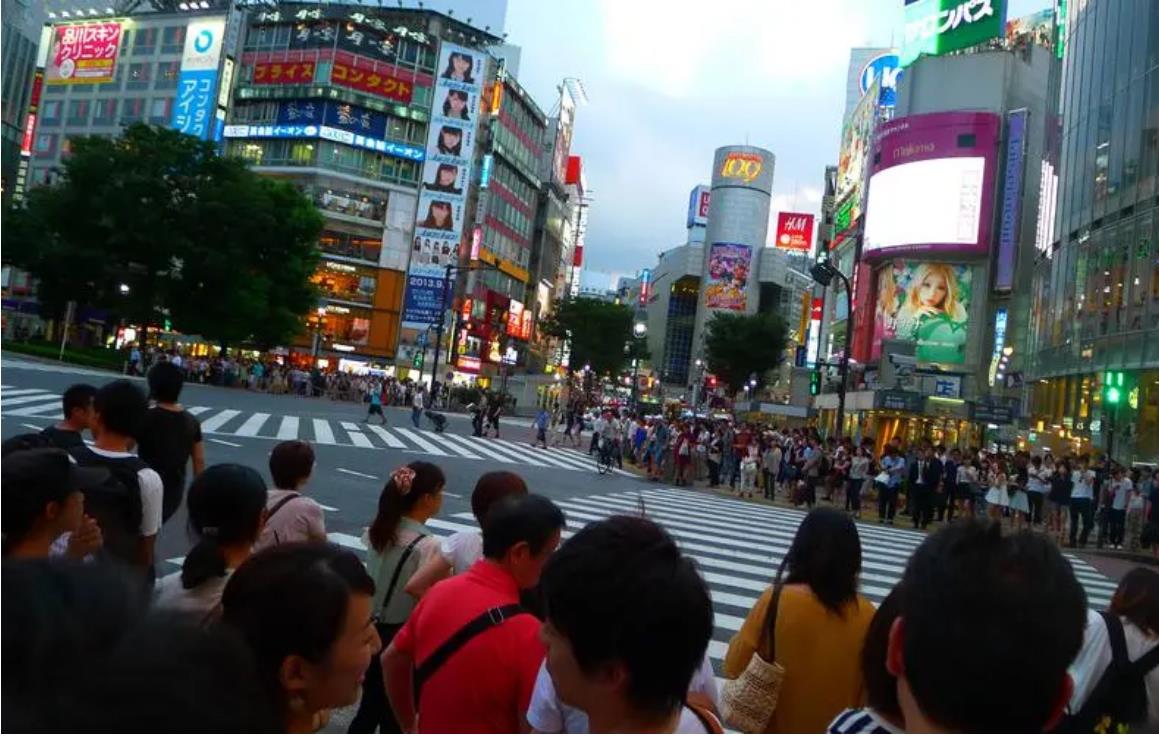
165, 443
63, 439
1154, 505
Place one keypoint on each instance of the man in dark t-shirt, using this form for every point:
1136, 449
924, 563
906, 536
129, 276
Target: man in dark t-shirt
170, 437
77, 403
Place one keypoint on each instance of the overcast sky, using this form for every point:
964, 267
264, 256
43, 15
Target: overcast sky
669, 81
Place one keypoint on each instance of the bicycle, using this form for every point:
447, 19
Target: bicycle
605, 456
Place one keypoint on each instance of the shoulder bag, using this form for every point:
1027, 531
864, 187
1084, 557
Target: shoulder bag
748, 702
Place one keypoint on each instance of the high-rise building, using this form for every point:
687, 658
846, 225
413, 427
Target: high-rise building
21, 21
1093, 369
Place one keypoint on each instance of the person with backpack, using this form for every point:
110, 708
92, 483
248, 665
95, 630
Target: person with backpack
77, 406
128, 505
1116, 673
291, 516
399, 543
43, 502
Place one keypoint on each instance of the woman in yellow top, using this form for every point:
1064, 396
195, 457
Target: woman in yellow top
820, 626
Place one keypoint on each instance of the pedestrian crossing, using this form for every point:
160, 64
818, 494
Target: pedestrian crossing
223, 423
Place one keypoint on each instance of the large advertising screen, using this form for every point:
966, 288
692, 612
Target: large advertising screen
728, 269
925, 302
936, 27
446, 174
932, 185
84, 53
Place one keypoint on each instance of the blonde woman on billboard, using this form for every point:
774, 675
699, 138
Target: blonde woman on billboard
933, 314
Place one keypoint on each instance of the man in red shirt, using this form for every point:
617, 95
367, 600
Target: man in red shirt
468, 649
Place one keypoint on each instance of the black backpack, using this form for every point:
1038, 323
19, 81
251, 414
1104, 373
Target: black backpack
115, 503
1120, 696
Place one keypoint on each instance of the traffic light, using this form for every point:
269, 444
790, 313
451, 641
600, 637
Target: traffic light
418, 361
1113, 387
814, 382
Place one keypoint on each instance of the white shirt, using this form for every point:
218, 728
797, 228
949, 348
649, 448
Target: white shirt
417, 402
1084, 484
152, 492
201, 600
462, 549
1095, 657
1038, 479
1123, 489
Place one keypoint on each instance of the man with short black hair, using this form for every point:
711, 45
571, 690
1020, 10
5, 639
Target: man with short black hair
628, 622
128, 505
77, 406
469, 650
986, 629
170, 437
43, 501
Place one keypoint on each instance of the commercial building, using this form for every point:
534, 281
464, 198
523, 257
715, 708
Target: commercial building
1094, 313
21, 21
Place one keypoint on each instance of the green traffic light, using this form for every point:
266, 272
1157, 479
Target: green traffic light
1113, 395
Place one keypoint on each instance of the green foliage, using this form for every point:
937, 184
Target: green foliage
104, 358
227, 254
738, 346
596, 332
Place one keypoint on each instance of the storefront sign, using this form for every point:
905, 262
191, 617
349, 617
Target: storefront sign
193, 108
371, 82
283, 72
937, 27
900, 401
391, 148
1011, 199
424, 298
795, 231
743, 166
948, 386
85, 53
995, 410
469, 364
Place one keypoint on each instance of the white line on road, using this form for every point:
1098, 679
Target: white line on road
5, 403
451, 442
346, 541
357, 473
52, 409
323, 433
456, 496
420, 441
197, 410
219, 419
387, 438
357, 437
18, 392
253, 425
225, 442
327, 508
288, 430
37, 428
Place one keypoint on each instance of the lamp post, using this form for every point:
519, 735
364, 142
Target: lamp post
639, 330
451, 270
823, 273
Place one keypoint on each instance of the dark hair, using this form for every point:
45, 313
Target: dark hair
292, 599
165, 381
493, 486
826, 556
1137, 599
453, 130
459, 95
978, 607
451, 66
226, 502
290, 462
392, 504
25, 502
121, 405
532, 519
431, 222
77, 396
880, 684
656, 612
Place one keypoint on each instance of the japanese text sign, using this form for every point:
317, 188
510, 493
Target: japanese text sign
939, 26
376, 83
84, 53
284, 72
197, 82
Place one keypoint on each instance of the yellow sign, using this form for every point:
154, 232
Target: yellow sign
746, 167
511, 269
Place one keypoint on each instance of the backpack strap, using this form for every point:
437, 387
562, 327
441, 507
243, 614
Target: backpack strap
398, 572
1119, 657
702, 707
469, 631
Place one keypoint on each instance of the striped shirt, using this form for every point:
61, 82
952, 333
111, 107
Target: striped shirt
861, 721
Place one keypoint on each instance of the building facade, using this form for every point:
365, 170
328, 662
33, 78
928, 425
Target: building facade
1095, 308
21, 21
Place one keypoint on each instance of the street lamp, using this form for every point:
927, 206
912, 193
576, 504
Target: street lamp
823, 273
639, 330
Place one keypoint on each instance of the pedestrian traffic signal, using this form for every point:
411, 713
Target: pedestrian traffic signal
1113, 387
418, 361
814, 382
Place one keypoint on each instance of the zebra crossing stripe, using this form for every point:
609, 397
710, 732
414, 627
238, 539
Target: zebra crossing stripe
20, 392
288, 429
39, 396
197, 410
356, 436
218, 420
387, 438
499, 452
347, 541
451, 442
51, 410
523, 452
322, 433
253, 425
420, 441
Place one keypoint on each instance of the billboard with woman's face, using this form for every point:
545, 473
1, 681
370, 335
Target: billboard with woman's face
927, 303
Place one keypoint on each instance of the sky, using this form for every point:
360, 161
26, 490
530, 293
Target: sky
669, 81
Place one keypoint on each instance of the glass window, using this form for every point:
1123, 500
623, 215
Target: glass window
145, 41
302, 153
1132, 140
133, 110
105, 112
172, 39
116, 83
138, 76
1150, 134
160, 109
167, 74
50, 112
45, 145
78, 112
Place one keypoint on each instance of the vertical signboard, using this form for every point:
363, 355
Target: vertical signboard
21, 183
1011, 199
446, 176
813, 345
795, 231
563, 130
193, 110
698, 200
84, 53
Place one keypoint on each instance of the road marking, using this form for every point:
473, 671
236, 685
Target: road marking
197, 410
501, 453
18, 392
420, 441
225, 442
387, 438
219, 419
327, 508
37, 428
456, 496
323, 433
347, 541
288, 430
357, 437
253, 425
40, 396
5, 386
52, 409
357, 473
180, 560
452, 442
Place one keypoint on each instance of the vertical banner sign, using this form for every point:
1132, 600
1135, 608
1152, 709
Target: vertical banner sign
1011, 198
698, 200
813, 344
193, 110
446, 176
84, 53
795, 231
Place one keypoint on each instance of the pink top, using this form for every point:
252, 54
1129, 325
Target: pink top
299, 520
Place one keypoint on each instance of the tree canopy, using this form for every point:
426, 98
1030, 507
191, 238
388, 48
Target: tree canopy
739, 346
596, 332
224, 252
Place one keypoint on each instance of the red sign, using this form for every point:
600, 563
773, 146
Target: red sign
469, 364
578, 258
374, 83
514, 318
85, 53
818, 309
573, 170
284, 72
702, 205
795, 231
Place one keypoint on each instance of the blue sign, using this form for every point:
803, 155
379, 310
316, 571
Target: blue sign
193, 108
340, 115
271, 131
424, 301
485, 171
887, 68
1011, 197
391, 148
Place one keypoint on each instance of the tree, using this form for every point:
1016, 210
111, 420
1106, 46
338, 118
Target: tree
739, 346
595, 330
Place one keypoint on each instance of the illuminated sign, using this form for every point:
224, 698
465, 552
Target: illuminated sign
743, 166
886, 70
469, 363
85, 53
227, 70
372, 82
485, 171
1011, 199
391, 148
999, 343
193, 108
813, 344
937, 27
795, 231
645, 285
698, 200
283, 72
1047, 204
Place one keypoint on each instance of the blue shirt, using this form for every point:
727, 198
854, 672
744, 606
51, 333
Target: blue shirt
375, 396
895, 467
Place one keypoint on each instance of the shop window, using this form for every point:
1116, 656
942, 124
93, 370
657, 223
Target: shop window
345, 282
145, 41
172, 39
347, 325
350, 203
302, 153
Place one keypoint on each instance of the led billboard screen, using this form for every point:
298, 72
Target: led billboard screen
927, 303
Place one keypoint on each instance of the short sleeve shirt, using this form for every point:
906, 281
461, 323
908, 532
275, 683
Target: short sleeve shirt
462, 549
299, 520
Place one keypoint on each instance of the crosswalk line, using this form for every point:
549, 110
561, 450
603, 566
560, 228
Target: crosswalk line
386, 437
5, 386
253, 425
356, 435
452, 442
484, 445
322, 433
288, 429
21, 392
51, 410
197, 410
527, 452
421, 442
347, 541
41, 397
484, 448
218, 420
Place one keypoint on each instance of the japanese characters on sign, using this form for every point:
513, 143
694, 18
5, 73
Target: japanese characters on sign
340, 115
283, 72
728, 268
313, 130
376, 83
197, 83
84, 53
939, 26
795, 231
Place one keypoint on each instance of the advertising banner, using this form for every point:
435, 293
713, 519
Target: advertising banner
1011, 199
424, 298
856, 141
84, 53
447, 172
371, 82
283, 72
885, 69
728, 269
795, 231
196, 85
698, 200
927, 303
563, 133
340, 115
937, 27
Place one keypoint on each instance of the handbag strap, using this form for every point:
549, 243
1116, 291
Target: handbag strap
398, 572
770, 630
477, 626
